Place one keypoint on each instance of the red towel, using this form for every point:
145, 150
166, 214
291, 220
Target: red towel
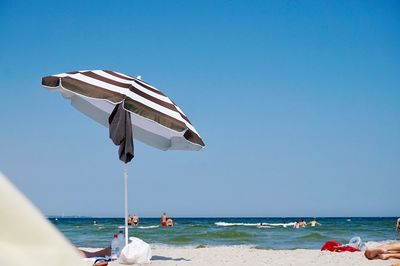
337, 247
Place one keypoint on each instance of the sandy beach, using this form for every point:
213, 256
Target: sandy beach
251, 256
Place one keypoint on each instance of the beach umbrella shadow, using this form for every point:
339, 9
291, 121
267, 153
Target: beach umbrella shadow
168, 258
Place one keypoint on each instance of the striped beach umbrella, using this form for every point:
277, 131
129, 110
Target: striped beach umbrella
127, 106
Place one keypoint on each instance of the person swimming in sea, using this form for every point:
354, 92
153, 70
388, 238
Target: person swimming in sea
135, 220
314, 223
299, 223
296, 224
170, 222
303, 223
164, 219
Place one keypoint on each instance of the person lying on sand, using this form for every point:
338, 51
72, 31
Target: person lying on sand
384, 252
105, 252
100, 253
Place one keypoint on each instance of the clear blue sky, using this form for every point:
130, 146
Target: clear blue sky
298, 103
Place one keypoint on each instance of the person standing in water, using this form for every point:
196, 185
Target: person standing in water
398, 225
170, 222
303, 223
296, 224
314, 223
135, 220
164, 219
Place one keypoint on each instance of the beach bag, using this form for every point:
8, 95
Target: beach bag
137, 251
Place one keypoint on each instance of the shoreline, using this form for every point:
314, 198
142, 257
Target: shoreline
251, 256
162, 246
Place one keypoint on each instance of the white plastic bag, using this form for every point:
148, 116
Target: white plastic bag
137, 251
356, 242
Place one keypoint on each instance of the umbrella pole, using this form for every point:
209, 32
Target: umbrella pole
126, 203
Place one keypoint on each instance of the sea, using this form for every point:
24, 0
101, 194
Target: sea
259, 233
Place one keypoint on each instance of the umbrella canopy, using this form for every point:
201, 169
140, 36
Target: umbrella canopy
156, 120
131, 108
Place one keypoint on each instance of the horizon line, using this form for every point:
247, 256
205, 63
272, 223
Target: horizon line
215, 217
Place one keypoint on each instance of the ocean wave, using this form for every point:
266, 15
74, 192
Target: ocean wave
264, 226
235, 224
226, 234
148, 227
183, 239
255, 224
280, 224
140, 227
312, 237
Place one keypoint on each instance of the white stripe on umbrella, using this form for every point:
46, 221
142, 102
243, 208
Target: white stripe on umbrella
134, 84
127, 92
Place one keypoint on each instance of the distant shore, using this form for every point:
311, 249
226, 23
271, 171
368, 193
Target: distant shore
250, 256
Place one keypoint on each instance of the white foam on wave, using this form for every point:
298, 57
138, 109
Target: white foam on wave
264, 226
123, 226
282, 224
235, 224
140, 227
260, 225
148, 227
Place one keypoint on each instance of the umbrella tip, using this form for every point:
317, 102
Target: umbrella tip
139, 77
